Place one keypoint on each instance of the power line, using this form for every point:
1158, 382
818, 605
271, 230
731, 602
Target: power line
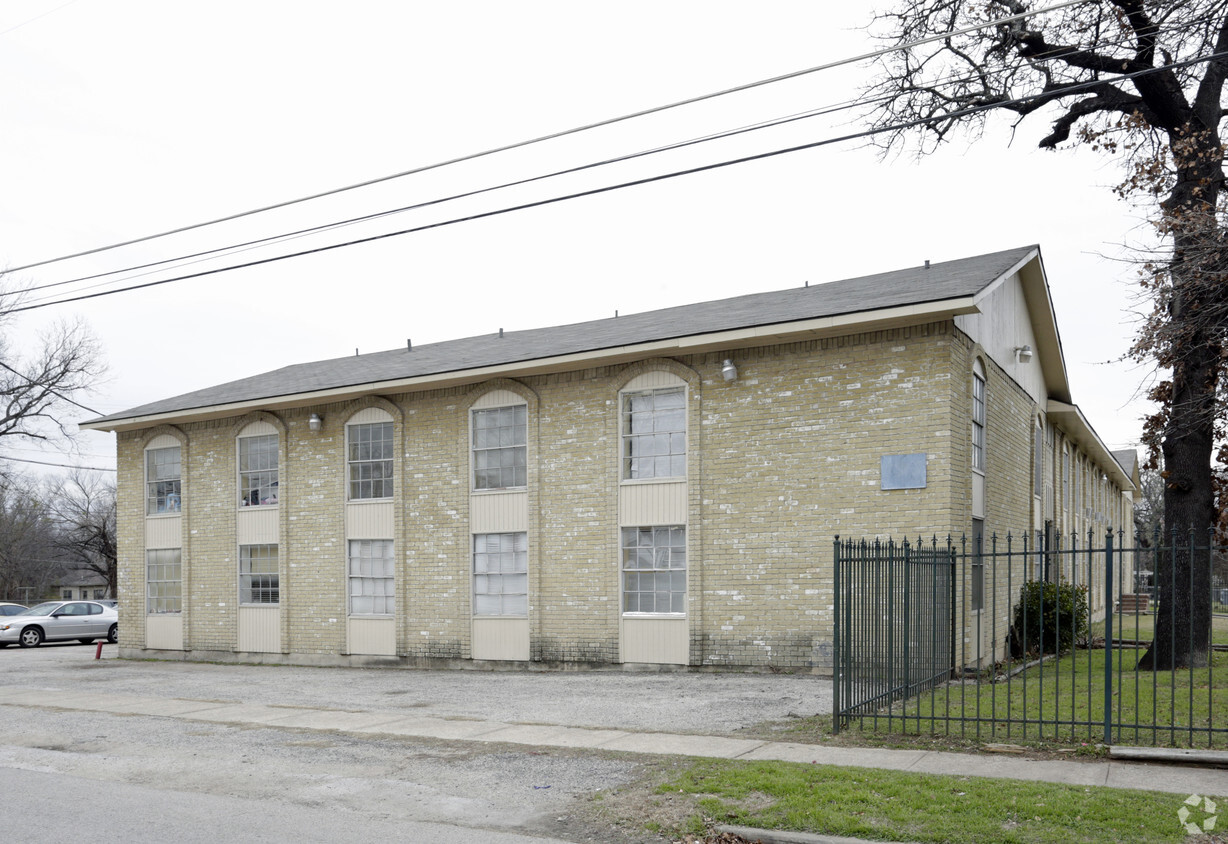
55, 393
234, 248
561, 134
958, 113
59, 465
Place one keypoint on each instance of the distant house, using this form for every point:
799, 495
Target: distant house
662, 487
78, 584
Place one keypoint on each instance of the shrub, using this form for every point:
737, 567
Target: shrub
1049, 618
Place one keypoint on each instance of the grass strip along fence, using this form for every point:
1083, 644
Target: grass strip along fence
1024, 640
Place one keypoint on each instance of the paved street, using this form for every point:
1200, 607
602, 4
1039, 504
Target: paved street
158, 750
277, 754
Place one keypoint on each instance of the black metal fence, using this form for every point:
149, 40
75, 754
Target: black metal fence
1033, 636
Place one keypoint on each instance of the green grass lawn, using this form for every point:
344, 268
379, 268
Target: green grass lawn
1141, 627
897, 806
1062, 700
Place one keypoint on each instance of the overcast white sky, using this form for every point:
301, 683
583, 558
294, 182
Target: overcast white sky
123, 118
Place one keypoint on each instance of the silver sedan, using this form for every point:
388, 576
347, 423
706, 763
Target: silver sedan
55, 621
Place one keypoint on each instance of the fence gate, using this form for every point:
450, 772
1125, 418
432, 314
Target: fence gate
894, 622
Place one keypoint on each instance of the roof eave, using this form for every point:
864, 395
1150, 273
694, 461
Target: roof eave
1075, 424
741, 338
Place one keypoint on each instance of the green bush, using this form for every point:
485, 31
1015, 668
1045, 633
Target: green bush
1049, 618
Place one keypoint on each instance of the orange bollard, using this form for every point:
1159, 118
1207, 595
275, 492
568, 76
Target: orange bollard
98, 653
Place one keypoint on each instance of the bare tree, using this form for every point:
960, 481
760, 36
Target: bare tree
29, 557
39, 384
83, 507
1143, 82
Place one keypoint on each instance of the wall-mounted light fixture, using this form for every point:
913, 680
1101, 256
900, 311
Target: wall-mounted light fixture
728, 371
315, 422
1023, 354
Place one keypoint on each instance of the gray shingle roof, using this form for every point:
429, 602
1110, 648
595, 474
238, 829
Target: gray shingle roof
912, 286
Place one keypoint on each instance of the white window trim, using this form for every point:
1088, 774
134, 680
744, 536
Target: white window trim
623, 570
349, 595
349, 426
640, 388
149, 450
473, 553
276, 572
473, 488
148, 610
239, 469
978, 373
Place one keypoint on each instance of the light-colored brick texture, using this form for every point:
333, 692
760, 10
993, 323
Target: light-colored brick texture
781, 461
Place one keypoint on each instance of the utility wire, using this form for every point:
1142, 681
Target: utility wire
958, 113
59, 465
251, 244
561, 134
55, 393
198, 257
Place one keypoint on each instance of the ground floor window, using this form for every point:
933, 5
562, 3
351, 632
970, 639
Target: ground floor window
163, 581
654, 569
500, 574
372, 583
258, 580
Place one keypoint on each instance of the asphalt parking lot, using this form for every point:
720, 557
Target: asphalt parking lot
212, 781
709, 703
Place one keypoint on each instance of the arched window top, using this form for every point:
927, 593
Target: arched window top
370, 415
653, 379
162, 441
978, 369
258, 428
499, 398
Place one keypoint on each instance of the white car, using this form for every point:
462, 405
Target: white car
55, 621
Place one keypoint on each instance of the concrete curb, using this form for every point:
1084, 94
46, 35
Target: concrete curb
772, 836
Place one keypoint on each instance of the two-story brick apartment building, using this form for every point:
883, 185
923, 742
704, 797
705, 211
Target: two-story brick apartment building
660, 487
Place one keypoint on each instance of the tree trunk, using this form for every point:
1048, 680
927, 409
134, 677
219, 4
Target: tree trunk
1183, 620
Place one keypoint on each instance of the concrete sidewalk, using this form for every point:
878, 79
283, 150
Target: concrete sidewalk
1177, 779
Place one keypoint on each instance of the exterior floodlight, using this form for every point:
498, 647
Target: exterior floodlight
315, 422
728, 371
1023, 354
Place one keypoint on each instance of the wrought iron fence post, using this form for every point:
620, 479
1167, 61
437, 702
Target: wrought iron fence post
835, 638
1108, 637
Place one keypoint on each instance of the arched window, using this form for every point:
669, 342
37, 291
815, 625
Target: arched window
978, 416
369, 454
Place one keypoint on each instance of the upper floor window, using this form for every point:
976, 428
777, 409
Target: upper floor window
162, 471
258, 470
654, 433
370, 460
499, 447
978, 418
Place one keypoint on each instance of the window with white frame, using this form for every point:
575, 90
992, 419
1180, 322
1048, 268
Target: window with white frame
500, 452
654, 569
500, 574
1038, 460
372, 581
258, 482
163, 581
654, 433
258, 577
370, 460
977, 567
162, 473
978, 418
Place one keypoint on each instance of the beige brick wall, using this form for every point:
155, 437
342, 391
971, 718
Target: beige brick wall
781, 461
